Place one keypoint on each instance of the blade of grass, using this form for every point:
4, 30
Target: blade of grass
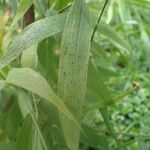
32, 34
75, 50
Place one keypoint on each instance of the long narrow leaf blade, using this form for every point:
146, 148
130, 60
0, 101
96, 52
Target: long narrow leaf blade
32, 34
75, 49
24, 102
97, 86
116, 38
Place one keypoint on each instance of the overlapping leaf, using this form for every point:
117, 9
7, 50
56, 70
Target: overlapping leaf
24, 139
32, 34
24, 101
44, 28
75, 50
34, 82
102, 95
110, 33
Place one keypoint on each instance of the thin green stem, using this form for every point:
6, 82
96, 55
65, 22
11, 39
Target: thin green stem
65, 8
99, 18
35, 105
39, 132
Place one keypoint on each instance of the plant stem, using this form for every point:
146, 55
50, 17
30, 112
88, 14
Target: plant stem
66, 7
99, 18
35, 105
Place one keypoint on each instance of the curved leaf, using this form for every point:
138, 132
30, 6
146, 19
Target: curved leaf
34, 82
32, 34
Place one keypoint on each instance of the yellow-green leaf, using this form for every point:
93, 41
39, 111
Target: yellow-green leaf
34, 82
74, 57
32, 34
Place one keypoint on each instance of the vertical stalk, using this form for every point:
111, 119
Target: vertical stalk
99, 18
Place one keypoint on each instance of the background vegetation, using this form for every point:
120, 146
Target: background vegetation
116, 108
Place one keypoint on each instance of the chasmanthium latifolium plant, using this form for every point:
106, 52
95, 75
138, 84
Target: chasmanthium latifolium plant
73, 65
51, 78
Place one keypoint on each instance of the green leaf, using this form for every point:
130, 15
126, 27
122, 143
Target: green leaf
104, 98
24, 139
32, 34
34, 82
105, 115
143, 3
50, 111
37, 145
2, 84
24, 5
90, 138
41, 6
47, 60
74, 57
39, 134
96, 84
124, 13
93, 139
1, 32
13, 121
6, 146
97, 89
60, 4
13, 4
110, 33
24, 101
29, 57
56, 140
